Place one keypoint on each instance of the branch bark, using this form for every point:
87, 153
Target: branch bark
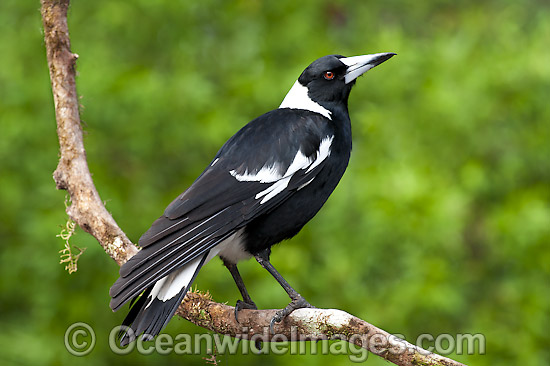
87, 210
72, 173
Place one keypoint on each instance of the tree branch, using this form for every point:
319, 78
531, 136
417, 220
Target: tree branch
72, 173
87, 210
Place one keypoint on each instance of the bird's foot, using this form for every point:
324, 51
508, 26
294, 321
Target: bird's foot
243, 305
297, 303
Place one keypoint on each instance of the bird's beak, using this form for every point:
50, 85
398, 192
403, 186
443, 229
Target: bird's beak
358, 65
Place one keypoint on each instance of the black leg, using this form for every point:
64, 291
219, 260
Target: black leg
297, 302
247, 302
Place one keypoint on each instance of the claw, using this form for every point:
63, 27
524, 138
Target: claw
243, 305
296, 303
272, 324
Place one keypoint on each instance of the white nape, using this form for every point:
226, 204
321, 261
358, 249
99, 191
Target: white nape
298, 98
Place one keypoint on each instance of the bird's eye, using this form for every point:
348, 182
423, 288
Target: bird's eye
329, 75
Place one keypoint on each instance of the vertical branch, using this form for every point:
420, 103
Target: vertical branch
72, 173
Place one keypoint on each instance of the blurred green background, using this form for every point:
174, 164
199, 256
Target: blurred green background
440, 225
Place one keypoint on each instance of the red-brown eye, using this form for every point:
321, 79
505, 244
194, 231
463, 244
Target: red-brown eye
329, 75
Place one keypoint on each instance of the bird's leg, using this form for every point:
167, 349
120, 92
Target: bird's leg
298, 302
246, 302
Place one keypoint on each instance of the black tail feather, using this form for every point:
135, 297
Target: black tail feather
148, 321
147, 317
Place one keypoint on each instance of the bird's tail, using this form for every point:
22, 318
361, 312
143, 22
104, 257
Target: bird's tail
155, 307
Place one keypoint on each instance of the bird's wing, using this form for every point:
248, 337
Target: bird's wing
255, 171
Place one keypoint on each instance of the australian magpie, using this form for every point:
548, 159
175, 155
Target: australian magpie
262, 187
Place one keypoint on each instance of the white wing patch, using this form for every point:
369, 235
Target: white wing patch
280, 181
297, 98
267, 174
273, 190
306, 183
323, 153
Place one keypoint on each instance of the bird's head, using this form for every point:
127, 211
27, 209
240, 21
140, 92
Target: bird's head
329, 79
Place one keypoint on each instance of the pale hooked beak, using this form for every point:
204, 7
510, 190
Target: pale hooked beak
358, 65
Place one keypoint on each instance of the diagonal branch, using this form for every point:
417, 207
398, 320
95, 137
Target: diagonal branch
87, 210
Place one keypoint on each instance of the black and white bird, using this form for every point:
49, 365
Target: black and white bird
262, 187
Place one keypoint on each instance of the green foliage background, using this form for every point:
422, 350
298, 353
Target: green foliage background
440, 225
